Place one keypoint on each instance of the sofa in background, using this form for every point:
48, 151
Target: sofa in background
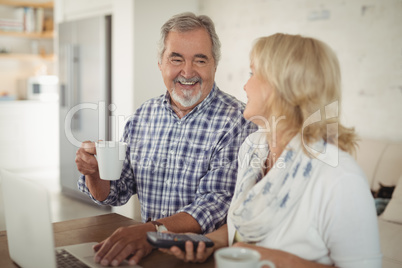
382, 163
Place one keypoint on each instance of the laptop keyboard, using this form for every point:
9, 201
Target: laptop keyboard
65, 259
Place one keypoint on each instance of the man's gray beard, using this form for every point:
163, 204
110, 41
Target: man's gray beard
187, 100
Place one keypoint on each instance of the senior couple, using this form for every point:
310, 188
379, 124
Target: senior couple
235, 172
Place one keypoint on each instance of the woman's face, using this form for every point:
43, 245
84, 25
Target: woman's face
258, 92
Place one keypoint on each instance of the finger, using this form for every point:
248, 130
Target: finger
86, 169
86, 163
200, 254
177, 252
122, 255
101, 255
97, 246
109, 257
189, 251
167, 251
89, 147
88, 159
83, 154
164, 250
137, 257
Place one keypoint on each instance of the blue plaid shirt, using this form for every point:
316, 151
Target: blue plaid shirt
182, 165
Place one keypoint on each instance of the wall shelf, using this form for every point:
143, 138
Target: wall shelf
32, 35
17, 3
29, 57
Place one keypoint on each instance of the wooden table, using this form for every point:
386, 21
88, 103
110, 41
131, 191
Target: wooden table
97, 229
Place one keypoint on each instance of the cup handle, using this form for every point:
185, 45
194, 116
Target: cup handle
266, 262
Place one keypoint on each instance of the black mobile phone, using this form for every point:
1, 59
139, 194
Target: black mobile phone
167, 240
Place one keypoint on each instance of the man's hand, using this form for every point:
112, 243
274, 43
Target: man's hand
88, 165
85, 159
124, 242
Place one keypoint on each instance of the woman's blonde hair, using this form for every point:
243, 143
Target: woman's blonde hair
305, 76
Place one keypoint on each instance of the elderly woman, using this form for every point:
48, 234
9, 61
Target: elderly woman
300, 199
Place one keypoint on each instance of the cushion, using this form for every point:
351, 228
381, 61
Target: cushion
393, 211
368, 160
389, 168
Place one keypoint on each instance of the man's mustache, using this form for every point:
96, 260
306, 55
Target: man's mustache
184, 80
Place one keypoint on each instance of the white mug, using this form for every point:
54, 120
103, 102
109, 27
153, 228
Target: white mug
110, 156
237, 257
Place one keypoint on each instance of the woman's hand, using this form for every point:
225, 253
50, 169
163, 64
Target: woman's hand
201, 254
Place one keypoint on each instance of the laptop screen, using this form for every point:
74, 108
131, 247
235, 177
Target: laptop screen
28, 221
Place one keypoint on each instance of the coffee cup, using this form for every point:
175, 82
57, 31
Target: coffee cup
110, 156
238, 257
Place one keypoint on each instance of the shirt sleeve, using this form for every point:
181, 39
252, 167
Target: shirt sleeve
216, 188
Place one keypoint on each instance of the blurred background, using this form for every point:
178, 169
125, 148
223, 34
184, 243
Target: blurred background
59, 54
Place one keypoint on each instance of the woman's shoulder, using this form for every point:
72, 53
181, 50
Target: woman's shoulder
341, 169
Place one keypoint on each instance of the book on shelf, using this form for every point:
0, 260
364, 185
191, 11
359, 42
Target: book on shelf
29, 19
23, 19
11, 25
40, 18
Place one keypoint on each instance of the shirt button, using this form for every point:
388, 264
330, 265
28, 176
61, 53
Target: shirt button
179, 123
171, 151
164, 212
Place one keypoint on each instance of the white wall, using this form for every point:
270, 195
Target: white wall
365, 34
148, 19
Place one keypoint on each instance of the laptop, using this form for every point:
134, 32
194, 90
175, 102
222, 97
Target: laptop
30, 231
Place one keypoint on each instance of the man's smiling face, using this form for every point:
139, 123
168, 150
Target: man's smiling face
188, 67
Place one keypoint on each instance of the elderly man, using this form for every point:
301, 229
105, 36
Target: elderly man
182, 146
